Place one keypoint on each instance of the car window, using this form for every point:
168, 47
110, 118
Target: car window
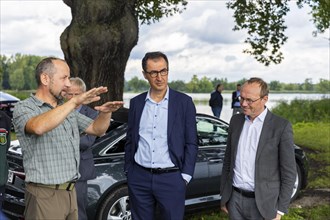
211, 132
118, 147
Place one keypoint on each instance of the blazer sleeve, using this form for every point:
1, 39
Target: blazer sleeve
191, 147
287, 168
129, 137
87, 140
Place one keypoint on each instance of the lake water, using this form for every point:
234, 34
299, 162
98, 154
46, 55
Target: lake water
201, 101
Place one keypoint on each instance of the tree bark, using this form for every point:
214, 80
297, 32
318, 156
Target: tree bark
98, 42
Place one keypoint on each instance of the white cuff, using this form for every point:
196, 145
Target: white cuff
279, 212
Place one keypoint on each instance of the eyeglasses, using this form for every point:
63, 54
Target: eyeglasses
155, 73
72, 94
248, 101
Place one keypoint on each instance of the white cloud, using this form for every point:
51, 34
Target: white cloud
198, 41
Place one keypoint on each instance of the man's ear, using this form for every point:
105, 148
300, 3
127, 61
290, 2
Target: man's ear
145, 75
44, 78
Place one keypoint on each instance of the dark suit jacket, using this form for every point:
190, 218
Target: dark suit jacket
216, 99
275, 167
182, 131
86, 167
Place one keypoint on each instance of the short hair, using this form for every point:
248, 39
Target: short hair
238, 84
47, 66
153, 56
218, 85
264, 90
78, 82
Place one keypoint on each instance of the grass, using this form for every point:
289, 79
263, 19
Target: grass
315, 139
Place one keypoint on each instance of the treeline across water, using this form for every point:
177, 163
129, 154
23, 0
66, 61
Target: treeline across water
17, 72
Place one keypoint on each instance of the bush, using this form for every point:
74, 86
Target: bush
304, 110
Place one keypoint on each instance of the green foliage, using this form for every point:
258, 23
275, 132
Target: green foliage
18, 71
323, 86
264, 21
320, 13
315, 139
308, 213
178, 85
275, 85
304, 110
137, 85
149, 11
311, 127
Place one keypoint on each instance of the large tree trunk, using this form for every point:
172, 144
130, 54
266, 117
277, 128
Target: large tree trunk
98, 42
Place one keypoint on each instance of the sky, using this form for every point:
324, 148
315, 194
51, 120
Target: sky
200, 41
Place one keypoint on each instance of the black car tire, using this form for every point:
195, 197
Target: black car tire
116, 205
297, 184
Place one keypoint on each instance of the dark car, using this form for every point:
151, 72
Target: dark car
7, 103
108, 194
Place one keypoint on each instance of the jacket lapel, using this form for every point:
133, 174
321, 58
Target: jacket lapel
263, 136
172, 109
138, 110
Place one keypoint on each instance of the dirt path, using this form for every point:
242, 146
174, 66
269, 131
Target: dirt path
312, 197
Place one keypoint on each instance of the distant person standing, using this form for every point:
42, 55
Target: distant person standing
235, 103
86, 166
5, 126
216, 100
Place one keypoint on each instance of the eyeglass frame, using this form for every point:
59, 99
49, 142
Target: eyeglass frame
248, 101
72, 94
154, 73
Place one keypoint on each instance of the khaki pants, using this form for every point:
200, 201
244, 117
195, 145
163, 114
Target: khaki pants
46, 203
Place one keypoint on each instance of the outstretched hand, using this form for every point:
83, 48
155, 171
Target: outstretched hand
110, 106
90, 96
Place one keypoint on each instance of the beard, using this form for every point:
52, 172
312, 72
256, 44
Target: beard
57, 95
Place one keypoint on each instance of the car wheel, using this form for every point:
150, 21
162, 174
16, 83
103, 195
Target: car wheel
115, 206
297, 184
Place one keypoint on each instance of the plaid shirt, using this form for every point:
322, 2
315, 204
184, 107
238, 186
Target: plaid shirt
52, 158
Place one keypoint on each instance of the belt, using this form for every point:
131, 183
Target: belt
159, 170
248, 194
68, 186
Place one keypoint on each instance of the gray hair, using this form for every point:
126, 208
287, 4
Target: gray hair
78, 82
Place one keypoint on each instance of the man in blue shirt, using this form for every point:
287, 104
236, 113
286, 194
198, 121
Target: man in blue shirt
161, 147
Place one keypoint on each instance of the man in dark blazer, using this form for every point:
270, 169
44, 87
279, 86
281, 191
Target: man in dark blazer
161, 147
259, 168
86, 165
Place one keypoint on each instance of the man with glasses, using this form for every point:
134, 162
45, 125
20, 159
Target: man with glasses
259, 168
161, 147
